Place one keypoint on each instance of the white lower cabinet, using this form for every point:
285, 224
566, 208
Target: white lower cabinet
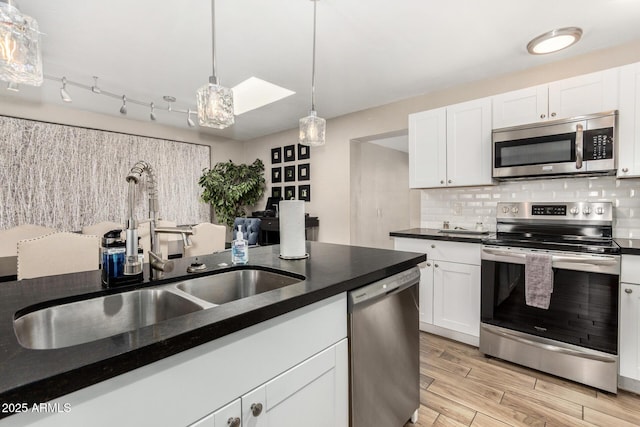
312, 393
294, 365
629, 326
449, 287
456, 297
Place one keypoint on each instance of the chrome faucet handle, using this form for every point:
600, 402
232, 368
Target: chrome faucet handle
160, 264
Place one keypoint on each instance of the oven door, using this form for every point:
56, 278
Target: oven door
584, 304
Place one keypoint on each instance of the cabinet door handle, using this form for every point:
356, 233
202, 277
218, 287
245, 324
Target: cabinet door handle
435, 265
233, 422
433, 246
628, 290
553, 114
625, 170
441, 181
542, 116
256, 409
449, 181
428, 264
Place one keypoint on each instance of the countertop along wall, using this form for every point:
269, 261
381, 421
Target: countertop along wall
330, 164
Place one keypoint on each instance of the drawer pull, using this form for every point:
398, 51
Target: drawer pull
433, 246
233, 422
256, 409
628, 290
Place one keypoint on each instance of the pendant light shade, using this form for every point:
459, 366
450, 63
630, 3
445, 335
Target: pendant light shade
312, 127
214, 102
20, 55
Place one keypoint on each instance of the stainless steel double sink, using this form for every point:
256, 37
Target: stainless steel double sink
80, 322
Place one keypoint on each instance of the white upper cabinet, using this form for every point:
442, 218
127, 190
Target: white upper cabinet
451, 146
629, 122
576, 96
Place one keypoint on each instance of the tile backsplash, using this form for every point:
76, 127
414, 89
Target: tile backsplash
465, 206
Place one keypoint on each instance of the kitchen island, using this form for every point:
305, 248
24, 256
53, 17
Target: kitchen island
33, 377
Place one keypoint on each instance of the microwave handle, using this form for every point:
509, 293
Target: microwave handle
579, 145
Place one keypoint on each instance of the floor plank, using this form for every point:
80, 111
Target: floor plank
460, 386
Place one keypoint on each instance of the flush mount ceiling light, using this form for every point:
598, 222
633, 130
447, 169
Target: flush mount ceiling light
215, 102
312, 127
20, 56
554, 40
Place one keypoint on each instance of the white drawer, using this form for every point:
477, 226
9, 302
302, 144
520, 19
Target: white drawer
630, 269
442, 250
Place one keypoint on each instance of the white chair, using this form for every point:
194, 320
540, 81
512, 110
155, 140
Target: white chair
207, 239
101, 228
57, 253
9, 238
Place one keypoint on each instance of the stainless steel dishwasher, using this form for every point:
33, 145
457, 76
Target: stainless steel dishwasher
384, 353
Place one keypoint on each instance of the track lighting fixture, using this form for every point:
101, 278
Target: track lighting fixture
152, 115
63, 91
190, 121
123, 109
95, 88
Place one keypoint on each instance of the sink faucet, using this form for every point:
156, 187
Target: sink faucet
158, 265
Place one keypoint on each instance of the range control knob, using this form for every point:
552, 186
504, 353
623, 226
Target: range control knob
599, 210
514, 210
574, 211
586, 210
505, 209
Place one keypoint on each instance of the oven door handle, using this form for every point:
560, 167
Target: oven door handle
527, 339
593, 260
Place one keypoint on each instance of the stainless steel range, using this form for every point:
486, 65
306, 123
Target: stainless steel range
549, 296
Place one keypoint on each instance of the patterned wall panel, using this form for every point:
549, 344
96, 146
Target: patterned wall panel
66, 177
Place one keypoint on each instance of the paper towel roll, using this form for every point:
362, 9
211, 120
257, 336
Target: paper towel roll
292, 242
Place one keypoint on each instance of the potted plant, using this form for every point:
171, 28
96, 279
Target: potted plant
229, 187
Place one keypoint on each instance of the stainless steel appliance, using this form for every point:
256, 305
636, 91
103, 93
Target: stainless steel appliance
580, 145
576, 337
384, 354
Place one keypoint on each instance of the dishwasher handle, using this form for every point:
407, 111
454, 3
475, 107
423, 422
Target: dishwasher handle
373, 292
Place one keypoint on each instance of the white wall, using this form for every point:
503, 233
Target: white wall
380, 195
330, 164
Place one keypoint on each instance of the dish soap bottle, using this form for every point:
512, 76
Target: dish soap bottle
239, 248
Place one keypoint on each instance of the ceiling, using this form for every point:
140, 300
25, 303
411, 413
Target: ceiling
368, 53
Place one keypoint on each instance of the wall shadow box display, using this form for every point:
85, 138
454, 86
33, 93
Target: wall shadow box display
303, 172
303, 152
276, 192
276, 175
290, 192
289, 153
276, 155
289, 173
304, 192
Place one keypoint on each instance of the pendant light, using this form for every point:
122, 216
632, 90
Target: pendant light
214, 102
312, 127
20, 56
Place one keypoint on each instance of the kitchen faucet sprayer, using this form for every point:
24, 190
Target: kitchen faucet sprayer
132, 264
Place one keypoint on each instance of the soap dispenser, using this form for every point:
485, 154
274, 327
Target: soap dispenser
239, 248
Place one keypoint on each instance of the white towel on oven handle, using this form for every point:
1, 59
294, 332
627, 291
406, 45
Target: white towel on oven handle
538, 279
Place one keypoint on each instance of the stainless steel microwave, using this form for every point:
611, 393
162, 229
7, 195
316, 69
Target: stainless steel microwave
580, 145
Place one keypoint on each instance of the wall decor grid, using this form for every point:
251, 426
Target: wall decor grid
66, 177
291, 165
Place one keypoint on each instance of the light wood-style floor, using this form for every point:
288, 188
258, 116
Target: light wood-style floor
460, 387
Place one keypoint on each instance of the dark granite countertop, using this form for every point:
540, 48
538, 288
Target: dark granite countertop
434, 234
36, 376
629, 246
